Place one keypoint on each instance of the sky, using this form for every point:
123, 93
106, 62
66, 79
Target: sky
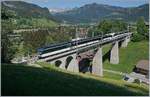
79, 3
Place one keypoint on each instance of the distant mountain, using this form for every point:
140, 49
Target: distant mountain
95, 12
57, 10
24, 9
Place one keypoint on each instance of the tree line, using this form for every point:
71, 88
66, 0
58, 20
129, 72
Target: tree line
139, 29
108, 26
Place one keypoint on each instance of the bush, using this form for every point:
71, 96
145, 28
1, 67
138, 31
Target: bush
137, 37
137, 81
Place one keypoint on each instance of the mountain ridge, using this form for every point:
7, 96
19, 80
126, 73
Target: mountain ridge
25, 9
96, 12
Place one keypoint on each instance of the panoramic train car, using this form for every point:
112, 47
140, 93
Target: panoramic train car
66, 46
52, 48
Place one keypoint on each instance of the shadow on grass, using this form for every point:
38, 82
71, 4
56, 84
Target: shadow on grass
28, 81
120, 43
106, 56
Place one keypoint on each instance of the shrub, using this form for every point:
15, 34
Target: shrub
137, 81
137, 37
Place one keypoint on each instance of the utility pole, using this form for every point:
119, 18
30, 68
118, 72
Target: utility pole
128, 28
101, 36
92, 33
77, 37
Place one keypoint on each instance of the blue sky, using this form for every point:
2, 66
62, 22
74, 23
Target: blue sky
78, 3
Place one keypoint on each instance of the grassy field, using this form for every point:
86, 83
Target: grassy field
129, 56
27, 80
50, 80
113, 76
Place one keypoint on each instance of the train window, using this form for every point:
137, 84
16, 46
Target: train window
56, 48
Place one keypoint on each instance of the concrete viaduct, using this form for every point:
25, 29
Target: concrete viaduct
70, 60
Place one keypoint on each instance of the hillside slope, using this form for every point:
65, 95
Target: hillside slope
25, 80
28, 15
24, 9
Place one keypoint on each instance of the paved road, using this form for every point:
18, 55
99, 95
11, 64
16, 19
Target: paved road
115, 72
132, 75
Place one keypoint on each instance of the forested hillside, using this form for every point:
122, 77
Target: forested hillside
27, 15
96, 12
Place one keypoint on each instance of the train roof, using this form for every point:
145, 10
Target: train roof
64, 43
51, 45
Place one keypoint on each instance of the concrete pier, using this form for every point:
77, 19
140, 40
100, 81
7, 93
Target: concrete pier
97, 67
114, 54
124, 43
73, 65
52, 62
128, 38
63, 63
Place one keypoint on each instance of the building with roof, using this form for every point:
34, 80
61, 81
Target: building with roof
143, 67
